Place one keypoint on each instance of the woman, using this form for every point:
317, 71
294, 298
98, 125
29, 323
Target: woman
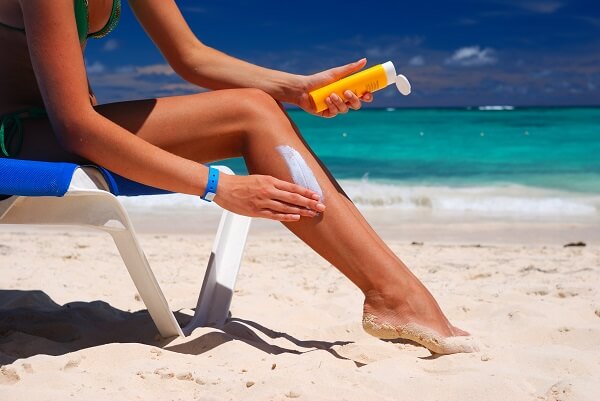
163, 142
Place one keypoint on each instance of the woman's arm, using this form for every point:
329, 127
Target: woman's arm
57, 60
213, 69
59, 68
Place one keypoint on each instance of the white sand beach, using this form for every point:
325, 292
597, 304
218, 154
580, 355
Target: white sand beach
73, 327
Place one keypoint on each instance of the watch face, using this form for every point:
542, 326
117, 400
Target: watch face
210, 196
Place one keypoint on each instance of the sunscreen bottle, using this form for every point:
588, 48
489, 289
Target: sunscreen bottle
369, 80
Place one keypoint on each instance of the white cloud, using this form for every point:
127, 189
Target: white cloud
592, 20
534, 6
125, 69
183, 87
96, 68
417, 61
467, 21
110, 45
197, 10
155, 69
541, 6
472, 56
128, 82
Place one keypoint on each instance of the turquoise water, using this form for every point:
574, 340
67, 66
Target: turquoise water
550, 148
554, 148
524, 160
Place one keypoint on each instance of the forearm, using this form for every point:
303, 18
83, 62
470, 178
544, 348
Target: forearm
212, 69
111, 146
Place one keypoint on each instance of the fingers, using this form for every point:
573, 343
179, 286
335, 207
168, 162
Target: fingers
331, 107
342, 107
298, 196
344, 70
284, 208
300, 190
352, 100
269, 214
337, 105
268, 197
299, 201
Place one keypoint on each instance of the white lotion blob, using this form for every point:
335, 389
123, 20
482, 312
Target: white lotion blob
301, 174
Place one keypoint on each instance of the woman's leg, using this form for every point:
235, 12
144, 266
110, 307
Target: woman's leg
247, 122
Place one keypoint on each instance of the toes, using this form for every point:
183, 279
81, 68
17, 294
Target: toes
456, 345
434, 341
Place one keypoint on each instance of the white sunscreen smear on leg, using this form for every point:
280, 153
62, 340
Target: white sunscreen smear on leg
301, 174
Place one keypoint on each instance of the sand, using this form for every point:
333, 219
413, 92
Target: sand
73, 327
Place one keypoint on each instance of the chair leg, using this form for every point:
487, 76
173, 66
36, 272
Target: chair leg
145, 282
139, 269
100, 210
223, 266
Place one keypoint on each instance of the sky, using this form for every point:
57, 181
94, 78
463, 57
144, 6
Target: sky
455, 53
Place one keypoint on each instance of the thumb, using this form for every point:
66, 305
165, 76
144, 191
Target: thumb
348, 69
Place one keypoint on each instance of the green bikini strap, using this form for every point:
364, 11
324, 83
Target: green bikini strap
81, 18
113, 20
11, 128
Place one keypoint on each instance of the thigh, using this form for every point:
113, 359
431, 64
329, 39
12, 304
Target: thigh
203, 127
40, 143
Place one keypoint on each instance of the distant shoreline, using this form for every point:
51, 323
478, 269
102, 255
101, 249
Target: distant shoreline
367, 107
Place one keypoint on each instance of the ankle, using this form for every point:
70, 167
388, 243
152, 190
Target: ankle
389, 299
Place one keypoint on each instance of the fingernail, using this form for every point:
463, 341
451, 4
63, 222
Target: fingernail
316, 197
335, 97
348, 94
320, 207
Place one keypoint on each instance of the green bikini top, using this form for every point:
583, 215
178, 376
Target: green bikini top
82, 18
83, 23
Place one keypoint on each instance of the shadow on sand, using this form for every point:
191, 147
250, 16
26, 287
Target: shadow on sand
31, 323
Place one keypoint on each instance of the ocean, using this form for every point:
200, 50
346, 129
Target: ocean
499, 161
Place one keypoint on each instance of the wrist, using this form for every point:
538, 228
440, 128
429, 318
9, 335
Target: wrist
212, 184
224, 183
292, 88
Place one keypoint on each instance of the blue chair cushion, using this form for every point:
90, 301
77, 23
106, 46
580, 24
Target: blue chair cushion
35, 178
121, 186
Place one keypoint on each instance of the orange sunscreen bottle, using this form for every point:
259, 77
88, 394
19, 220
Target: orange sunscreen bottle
369, 80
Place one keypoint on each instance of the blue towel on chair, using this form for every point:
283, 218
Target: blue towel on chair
35, 178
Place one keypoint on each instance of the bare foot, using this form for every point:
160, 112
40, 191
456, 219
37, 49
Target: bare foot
416, 317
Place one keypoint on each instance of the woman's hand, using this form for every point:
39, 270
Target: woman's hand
335, 103
268, 197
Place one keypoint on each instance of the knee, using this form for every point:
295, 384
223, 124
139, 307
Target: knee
259, 110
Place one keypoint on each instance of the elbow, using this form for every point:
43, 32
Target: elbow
71, 142
73, 134
189, 65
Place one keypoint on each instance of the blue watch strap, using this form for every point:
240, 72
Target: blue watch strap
211, 185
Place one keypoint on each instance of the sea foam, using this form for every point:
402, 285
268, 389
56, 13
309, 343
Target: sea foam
509, 199
496, 200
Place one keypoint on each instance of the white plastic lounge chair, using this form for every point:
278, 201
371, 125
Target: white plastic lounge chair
43, 193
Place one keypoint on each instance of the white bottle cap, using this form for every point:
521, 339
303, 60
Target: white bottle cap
390, 72
403, 85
